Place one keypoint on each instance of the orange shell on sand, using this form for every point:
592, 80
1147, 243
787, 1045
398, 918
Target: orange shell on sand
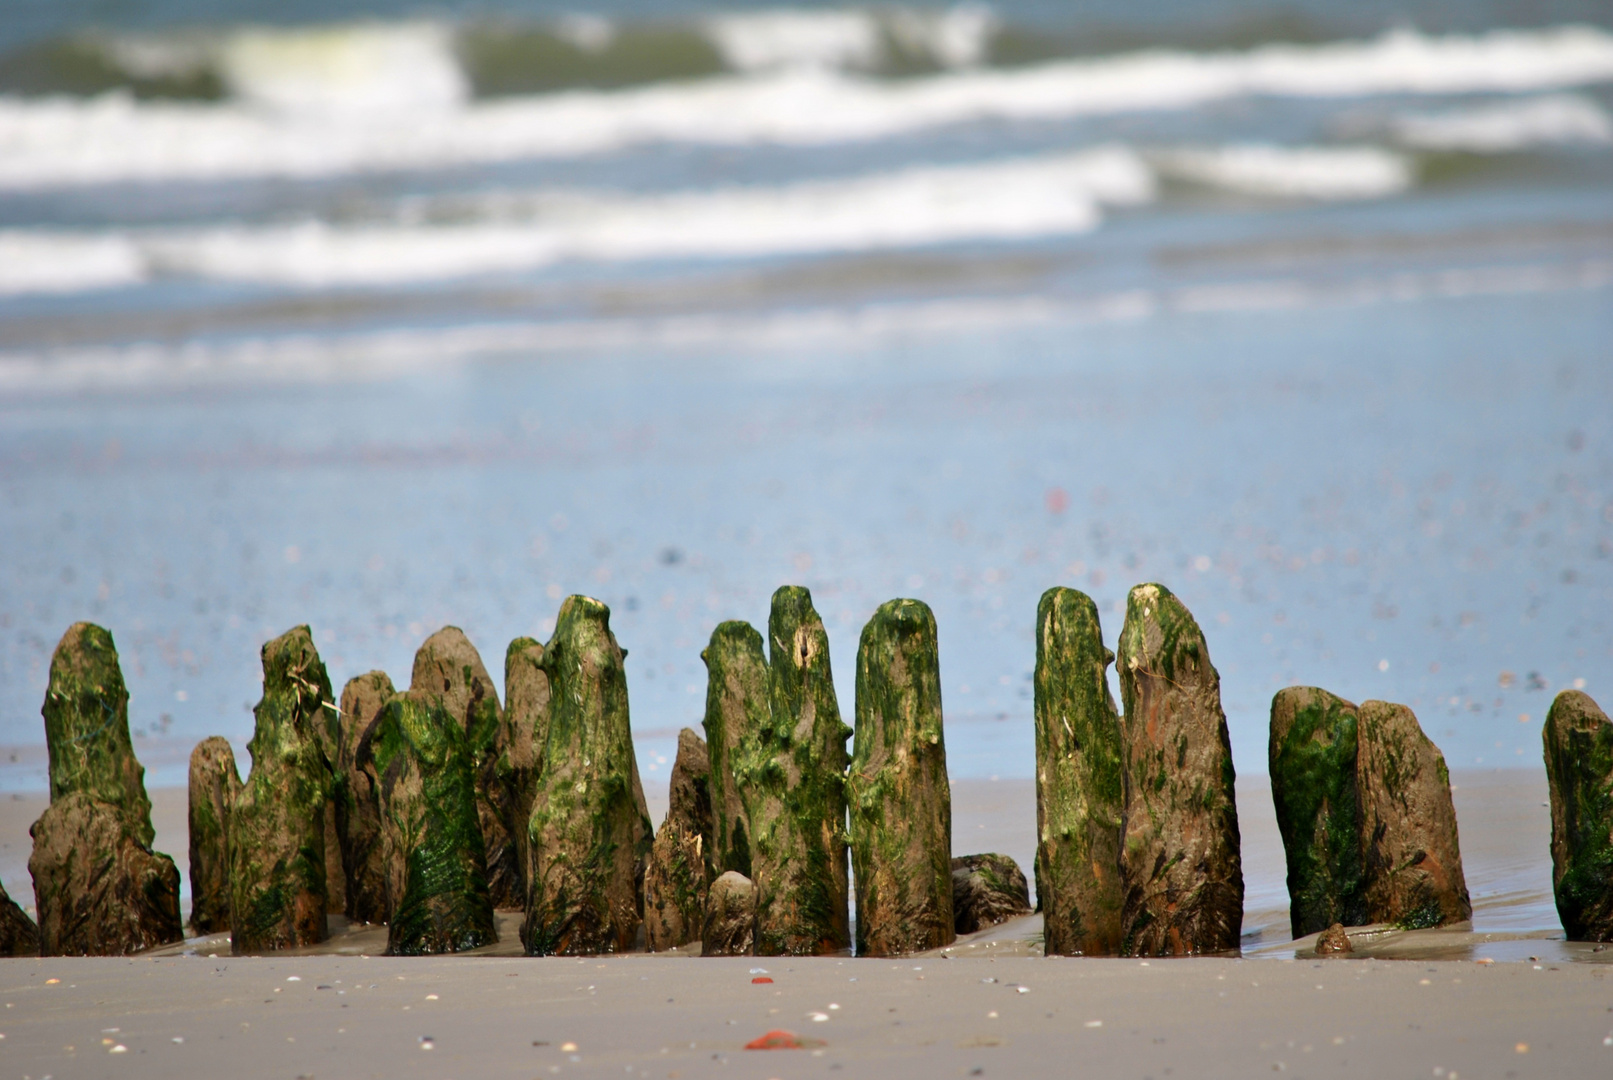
761, 979
775, 1040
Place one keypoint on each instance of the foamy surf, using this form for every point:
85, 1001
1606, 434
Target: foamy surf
497, 232
275, 133
383, 354
1508, 126
1363, 172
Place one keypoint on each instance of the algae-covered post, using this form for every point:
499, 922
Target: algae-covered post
1578, 740
1181, 865
589, 831
901, 803
277, 826
436, 870
99, 889
1079, 796
214, 784
1409, 852
448, 666
1312, 760
736, 703
87, 727
520, 745
358, 807
677, 877
791, 769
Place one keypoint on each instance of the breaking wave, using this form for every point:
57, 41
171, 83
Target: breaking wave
1508, 126
502, 232
338, 101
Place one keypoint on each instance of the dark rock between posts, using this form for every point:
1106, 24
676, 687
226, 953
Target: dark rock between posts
521, 743
1411, 862
987, 890
358, 805
790, 769
278, 895
437, 890
1181, 864
18, 934
900, 800
214, 785
448, 666
1312, 761
677, 877
87, 728
730, 926
98, 889
689, 790
590, 831
1578, 742
1080, 800
674, 888
1333, 941
736, 703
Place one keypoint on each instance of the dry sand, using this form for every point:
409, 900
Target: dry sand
642, 1016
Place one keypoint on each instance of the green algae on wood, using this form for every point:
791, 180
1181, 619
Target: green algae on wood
900, 801
18, 934
1080, 799
1578, 740
1312, 761
437, 891
278, 892
736, 703
98, 888
1181, 864
520, 746
589, 832
447, 665
678, 874
87, 727
1411, 861
790, 770
358, 807
214, 785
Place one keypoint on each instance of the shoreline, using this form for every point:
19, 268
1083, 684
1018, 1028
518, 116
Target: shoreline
1505, 834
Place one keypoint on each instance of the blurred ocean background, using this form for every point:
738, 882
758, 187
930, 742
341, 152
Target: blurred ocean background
380, 316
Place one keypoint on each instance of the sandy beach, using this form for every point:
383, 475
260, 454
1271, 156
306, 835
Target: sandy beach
659, 1017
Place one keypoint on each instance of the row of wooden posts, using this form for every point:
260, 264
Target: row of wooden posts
428, 809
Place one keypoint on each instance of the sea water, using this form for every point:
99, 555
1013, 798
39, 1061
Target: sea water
379, 321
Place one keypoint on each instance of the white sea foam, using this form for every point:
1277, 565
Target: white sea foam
793, 38
364, 68
116, 139
761, 40
387, 353
1362, 172
52, 262
1508, 126
513, 231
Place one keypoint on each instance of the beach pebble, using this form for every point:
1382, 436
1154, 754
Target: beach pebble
1333, 941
